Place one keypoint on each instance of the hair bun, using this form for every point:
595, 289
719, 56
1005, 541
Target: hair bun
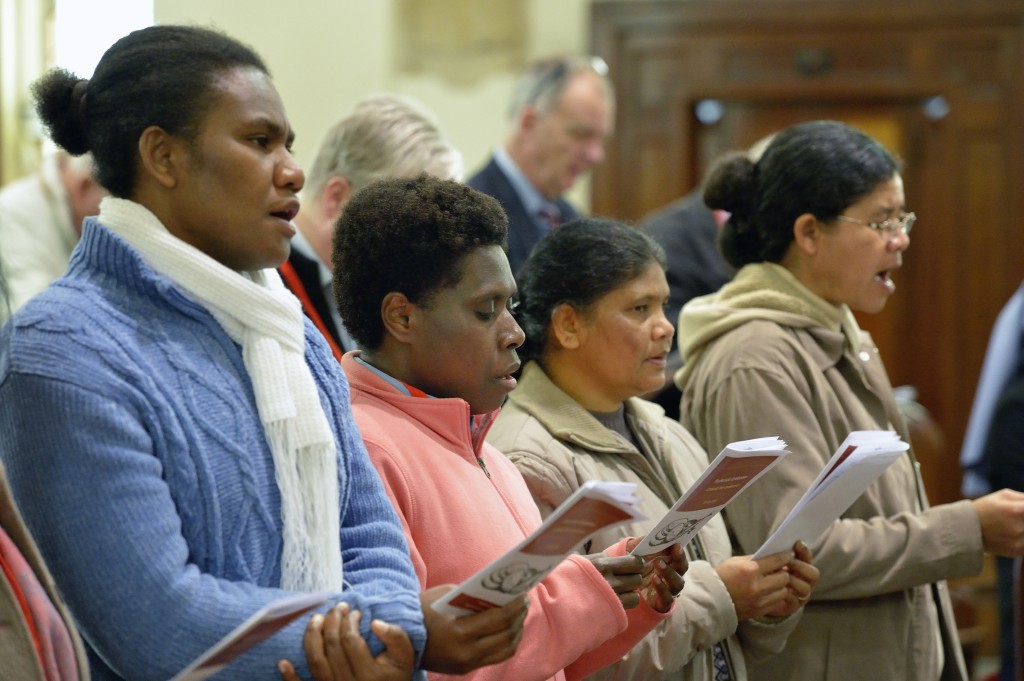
60, 104
731, 184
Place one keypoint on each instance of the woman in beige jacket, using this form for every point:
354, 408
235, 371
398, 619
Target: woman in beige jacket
591, 305
819, 226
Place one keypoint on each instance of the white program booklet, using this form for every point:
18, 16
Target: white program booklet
264, 623
735, 468
595, 506
862, 457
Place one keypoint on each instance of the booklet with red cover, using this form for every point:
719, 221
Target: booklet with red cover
735, 468
595, 506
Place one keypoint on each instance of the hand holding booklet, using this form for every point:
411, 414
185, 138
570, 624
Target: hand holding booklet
263, 623
735, 468
862, 457
595, 506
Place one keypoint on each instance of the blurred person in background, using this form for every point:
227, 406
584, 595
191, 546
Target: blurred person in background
385, 135
41, 221
560, 117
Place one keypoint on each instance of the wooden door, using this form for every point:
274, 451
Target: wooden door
939, 83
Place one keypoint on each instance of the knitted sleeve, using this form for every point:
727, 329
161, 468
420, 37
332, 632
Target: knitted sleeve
93, 495
377, 565
147, 483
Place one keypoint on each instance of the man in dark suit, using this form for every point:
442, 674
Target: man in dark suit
688, 231
385, 136
561, 114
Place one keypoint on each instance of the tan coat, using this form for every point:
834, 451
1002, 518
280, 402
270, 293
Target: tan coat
17, 653
558, 446
777, 361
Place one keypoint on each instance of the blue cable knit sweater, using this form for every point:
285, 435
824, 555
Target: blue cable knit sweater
129, 429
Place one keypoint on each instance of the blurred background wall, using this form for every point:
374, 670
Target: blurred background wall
459, 57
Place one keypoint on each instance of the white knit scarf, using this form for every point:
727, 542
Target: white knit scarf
261, 315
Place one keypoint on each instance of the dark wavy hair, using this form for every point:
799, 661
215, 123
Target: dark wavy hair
160, 75
821, 167
409, 236
578, 263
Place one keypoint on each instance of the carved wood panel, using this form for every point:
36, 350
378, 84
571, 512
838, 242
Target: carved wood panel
940, 83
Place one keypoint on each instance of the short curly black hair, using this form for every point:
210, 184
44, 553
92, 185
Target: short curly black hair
409, 236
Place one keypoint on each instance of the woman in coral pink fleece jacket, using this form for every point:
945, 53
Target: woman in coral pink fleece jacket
425, 288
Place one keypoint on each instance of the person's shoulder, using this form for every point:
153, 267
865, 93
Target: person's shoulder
489, 179
680, 439
307, 268
756, 337
681, 213
384, 427
23, 196
69, 310
322, 361
758, 345
519, 434
74, 336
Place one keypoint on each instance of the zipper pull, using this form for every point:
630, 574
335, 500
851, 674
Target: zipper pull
483, 466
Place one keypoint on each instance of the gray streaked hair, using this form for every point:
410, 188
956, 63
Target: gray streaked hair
385, 136
542, 83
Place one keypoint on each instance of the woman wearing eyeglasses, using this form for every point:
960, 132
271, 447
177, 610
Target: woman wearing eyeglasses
818, 229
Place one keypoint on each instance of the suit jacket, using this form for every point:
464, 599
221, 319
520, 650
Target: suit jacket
16, 648
686, 229
523, 233
308, 272
1002, 452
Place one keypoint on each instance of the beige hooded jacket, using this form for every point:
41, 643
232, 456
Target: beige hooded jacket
765, 356
558, 446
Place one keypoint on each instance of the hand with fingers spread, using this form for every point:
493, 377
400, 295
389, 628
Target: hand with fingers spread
757, 587
663, 579
457, 645
335, 650
624, 574
803, 577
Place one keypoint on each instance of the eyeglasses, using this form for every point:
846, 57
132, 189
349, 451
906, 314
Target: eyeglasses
904, 222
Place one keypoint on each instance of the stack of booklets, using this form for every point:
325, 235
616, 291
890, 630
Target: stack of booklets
862, 457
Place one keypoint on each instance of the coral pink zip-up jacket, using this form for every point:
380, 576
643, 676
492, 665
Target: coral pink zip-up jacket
462, 504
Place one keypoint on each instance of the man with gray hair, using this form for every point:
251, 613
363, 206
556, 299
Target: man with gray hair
41, 220
385, 136
561, 114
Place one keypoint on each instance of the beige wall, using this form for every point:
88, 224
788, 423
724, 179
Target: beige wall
22, 56
327, 54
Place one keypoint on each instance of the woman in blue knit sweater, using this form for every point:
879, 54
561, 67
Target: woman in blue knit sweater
178, 440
